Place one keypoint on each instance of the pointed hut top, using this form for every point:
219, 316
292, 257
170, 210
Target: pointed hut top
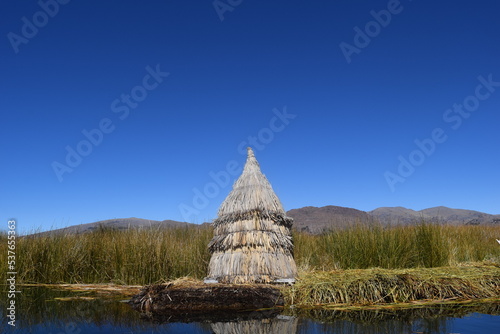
252, 191
252, 166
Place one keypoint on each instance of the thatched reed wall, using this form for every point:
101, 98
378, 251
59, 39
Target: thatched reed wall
252, 240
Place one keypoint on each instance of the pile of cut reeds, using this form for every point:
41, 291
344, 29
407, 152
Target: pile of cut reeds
383, 286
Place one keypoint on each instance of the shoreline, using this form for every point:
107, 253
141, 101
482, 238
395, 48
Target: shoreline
348, 290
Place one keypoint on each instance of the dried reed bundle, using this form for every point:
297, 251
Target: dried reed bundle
252, 240
383, 286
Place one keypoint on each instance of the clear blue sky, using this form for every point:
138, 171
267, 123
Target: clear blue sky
334, 97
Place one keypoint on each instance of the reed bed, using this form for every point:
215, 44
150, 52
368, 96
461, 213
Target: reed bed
149, 256
389, 286
112, 256
403, 246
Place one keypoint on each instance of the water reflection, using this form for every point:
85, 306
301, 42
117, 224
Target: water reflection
437, 319
279, 324
43, 310
36, 305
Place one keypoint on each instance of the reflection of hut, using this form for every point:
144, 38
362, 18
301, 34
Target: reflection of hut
252, 240
279, 325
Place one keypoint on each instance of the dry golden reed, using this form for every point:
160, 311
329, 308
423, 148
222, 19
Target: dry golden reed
382, 286
148, 256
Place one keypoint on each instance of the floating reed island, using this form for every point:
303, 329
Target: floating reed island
252, 250
338, 290
191, 300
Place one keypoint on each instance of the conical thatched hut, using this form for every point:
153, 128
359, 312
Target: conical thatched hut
252, 240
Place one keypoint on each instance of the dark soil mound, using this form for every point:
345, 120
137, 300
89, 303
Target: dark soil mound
190, 300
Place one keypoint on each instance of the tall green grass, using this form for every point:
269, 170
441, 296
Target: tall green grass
412, 246
124, 257
148, 256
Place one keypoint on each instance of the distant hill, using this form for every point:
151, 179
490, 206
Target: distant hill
440, 214
118, 224
395, 214
315, 220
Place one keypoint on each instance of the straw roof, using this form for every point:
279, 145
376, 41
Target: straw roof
252, 240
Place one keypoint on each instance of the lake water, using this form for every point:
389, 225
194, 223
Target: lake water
43, 310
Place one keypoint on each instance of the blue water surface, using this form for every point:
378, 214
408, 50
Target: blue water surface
41, 310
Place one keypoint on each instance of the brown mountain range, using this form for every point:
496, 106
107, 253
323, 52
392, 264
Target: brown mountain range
316, 220
440, 214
